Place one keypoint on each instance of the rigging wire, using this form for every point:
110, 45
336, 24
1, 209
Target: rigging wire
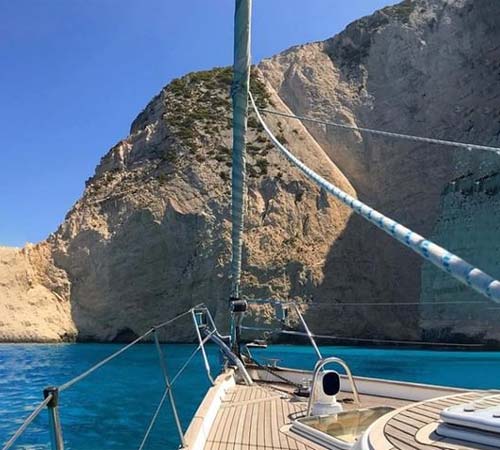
440, 257
85, 374
356, 339
312, 304
153, 419
381, 341
440, 303
407, 137
34, 414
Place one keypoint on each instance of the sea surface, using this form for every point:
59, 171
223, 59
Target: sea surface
112, 408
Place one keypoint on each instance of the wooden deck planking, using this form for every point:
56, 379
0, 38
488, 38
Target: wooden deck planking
231, 438
258, 417
411, 417
283, 438
247, 434
226, 428
261, 424
402, 428
274, 423
239, 438
254, 418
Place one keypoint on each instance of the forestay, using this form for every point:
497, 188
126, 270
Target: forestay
440, 257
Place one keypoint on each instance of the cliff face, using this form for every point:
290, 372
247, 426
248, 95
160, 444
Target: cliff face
34, 297
150, 236
468, 224
426, 67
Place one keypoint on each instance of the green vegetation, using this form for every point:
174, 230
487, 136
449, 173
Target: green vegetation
262, 164
281, 138
162, 178
401, 11
198, 110
253, 122
252, 172
253, 148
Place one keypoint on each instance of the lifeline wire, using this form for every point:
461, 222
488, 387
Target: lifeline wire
85, 374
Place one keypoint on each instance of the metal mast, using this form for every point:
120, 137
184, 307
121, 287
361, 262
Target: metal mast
239, 93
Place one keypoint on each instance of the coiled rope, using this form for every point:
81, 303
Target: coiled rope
440, 257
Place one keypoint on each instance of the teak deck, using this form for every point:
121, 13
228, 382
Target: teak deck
259, 416
412, 428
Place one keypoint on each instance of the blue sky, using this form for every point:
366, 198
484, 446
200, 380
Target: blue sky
75, 73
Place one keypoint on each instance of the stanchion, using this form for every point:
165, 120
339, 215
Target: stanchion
56, 436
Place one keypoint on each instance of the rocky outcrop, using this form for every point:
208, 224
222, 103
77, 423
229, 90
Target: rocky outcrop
423, 67
468, 224
150, 236
34, 297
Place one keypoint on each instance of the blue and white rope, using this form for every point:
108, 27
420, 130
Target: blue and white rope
440, 257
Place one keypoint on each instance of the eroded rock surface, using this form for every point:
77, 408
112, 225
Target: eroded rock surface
150, 235
428, 68
34, 297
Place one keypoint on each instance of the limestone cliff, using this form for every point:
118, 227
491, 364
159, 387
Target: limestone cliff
34, 297
150, 236
423, 67
469, 225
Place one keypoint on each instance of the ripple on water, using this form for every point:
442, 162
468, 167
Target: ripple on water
111, 409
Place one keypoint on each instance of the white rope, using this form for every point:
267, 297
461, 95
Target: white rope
440, 257
407, 137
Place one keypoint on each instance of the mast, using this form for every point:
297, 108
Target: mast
239, 93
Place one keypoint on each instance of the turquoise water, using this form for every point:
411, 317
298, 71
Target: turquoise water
112, 408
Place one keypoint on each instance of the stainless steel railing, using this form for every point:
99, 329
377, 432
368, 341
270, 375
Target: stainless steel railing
52, 393
318, 367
